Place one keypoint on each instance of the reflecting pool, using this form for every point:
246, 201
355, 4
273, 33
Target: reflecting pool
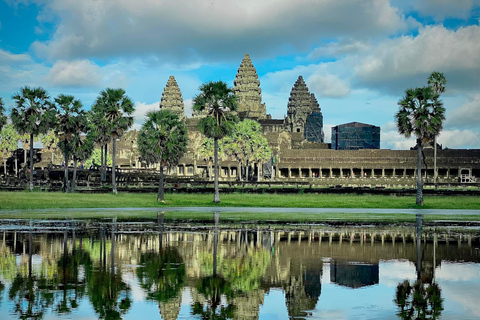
163, 270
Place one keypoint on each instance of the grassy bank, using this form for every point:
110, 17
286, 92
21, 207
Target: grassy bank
36, 202
41, 200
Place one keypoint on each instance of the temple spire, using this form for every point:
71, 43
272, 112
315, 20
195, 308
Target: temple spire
248, 92
172, 98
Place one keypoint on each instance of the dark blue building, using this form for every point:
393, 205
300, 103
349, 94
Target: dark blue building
355, 136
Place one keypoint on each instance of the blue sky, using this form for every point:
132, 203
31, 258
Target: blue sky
357, 56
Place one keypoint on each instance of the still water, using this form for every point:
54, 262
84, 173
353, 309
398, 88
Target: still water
156, 270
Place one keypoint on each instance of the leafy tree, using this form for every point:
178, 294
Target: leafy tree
32, 115
82, 149
8, 143
72, 121
162, 139
437, 82
219, 102
247, 144
419, 300
163, 275
117, 110
421, 114
3, 118
50, 140
96, 158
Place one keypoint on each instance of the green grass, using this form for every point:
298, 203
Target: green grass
55, 201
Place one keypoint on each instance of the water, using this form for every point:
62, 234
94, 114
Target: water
156, 270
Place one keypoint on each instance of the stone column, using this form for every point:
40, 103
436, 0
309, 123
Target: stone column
383, 172
289, 172
331, 172
194, 166
393, 174
309, 172
373, 173
361, 172
341, 172
404, 172
320, 173
448, 173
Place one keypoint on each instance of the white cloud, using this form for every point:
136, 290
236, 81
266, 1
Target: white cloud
340, 48
467, 116
78, 73
459, 139
407, 61
141, 110
391, 139
328, 85
200, 30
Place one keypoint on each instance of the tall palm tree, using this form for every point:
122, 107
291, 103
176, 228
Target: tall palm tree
117, 109
72, 120
437, 82
163, 140
3, 118
421, 114
219, 103
32, 115
102, 135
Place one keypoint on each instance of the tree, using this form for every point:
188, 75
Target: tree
96, 157
117, 110
163, 140
421, 114
247, 144
50, 140
32, 115
437, 82
82, 149
72, 121
3, 118
8, 143
218, 101
102, 135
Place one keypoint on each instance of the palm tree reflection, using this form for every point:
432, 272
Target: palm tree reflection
423, 298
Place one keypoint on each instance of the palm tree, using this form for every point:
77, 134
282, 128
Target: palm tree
117, 110
437, 82
3, 118
102, 135
72, 120
219, 103
163, 140
32, 115
421, 114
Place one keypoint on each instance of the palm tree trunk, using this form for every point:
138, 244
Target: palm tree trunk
104, 163
5, 166
239, 171
74, 179
65, 176
114, 183
435, 161
216, 195
31, 161
53, 155
246, 171
161, 189
419, 173
16, 163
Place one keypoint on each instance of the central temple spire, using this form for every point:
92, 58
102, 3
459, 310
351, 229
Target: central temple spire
248, 92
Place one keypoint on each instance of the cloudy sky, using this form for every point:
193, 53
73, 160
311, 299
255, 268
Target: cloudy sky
357, 56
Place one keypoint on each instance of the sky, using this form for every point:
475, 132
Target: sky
358, 56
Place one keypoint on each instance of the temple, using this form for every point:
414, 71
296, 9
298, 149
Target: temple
299, 152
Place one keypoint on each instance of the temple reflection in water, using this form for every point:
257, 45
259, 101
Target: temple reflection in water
111, 269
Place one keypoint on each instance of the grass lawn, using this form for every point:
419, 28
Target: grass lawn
36, 201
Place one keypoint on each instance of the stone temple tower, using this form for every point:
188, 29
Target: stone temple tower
304, 115
248, 92
172, 98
